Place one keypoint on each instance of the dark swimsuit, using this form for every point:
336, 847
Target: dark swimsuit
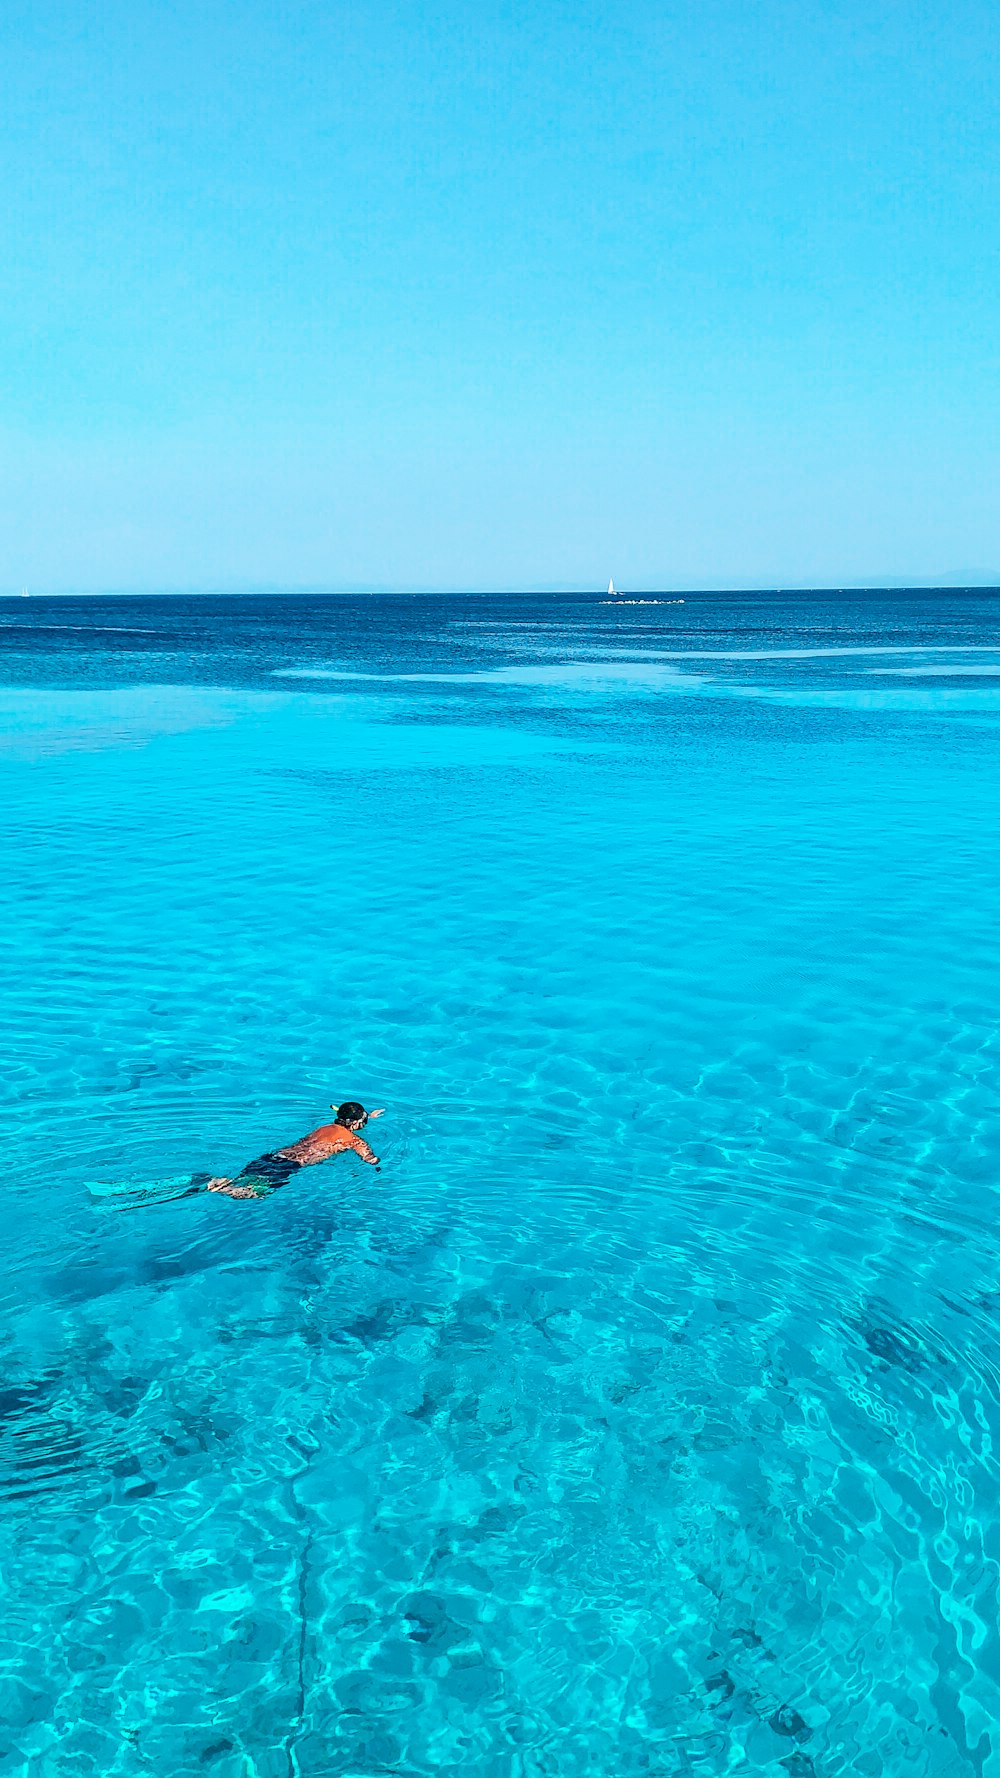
271, 1170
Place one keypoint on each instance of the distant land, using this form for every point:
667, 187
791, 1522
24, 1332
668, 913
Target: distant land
958, 577
954, 580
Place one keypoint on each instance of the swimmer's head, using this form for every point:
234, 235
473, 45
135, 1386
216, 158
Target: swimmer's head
352, 1115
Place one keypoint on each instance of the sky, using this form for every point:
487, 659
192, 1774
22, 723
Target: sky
489, 294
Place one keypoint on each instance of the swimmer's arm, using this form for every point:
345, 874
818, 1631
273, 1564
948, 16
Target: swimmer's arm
361, 1147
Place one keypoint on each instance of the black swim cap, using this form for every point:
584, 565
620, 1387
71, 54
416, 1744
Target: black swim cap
350, 1112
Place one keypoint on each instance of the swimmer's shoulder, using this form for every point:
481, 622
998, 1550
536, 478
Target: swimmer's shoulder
327, 1138
330, 1133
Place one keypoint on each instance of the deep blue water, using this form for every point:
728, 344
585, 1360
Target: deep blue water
639, 1419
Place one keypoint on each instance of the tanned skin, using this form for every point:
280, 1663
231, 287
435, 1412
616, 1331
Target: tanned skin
309, 1150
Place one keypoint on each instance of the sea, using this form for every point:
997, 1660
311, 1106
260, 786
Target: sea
640, 1418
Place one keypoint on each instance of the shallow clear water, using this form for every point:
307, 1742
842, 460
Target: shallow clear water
639, 1417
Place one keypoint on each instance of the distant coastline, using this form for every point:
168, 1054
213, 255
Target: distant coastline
677, 594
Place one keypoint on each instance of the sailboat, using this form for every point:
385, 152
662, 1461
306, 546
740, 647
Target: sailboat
611, 589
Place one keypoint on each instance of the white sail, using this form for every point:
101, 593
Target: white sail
611, 589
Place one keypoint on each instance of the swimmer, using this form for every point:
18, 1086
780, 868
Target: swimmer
269, 1171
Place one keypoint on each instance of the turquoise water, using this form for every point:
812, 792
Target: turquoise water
639, 1417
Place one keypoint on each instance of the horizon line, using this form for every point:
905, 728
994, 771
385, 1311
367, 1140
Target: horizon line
549, 589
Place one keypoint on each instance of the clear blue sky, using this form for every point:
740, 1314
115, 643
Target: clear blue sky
475, 294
